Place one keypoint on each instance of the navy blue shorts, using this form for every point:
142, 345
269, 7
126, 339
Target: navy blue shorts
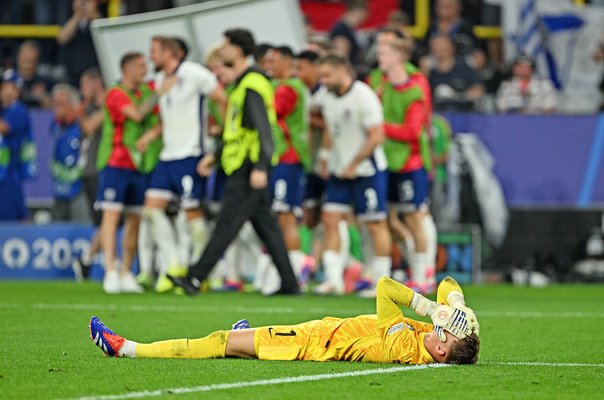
287, 187
121, 189
178, 177
12, 200
367, 195
409, 192
314, 191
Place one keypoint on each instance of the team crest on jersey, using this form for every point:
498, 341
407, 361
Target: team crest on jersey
396, 328
347, 114
400, 327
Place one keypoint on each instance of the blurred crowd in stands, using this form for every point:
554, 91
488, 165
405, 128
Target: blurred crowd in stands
465, 72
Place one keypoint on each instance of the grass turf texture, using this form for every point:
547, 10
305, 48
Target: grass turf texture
45, 352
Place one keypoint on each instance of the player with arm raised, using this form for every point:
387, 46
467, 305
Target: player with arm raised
386, 337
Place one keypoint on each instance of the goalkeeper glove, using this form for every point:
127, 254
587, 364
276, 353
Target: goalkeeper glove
443, 317
456, 300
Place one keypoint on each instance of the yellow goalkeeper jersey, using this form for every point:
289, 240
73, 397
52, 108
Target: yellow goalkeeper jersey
362, 338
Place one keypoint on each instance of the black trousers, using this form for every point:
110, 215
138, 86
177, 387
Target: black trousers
242, 203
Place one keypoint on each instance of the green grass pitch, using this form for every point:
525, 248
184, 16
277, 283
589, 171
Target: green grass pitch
45, 352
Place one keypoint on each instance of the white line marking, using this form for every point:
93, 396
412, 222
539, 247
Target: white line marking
310, 378
543, 364
262, 382
277, 310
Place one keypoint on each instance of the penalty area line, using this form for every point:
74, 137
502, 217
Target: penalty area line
262, 382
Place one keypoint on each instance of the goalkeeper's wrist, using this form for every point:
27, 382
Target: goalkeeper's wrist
422, 305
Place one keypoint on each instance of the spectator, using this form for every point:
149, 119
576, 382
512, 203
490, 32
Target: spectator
76, 39
35, 91
343, 35
455, 85
15, 132
526, 92
50, 12
69, 199
448, 21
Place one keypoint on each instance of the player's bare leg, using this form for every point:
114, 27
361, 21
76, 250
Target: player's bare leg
289, 227
164, 237
130, 245
381, 263
422, 268
241, 344
108, 231
198, 229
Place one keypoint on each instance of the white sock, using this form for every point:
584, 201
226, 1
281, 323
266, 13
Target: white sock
199, 237
344, 241
419, 266
183, 238
145, 247
381, 267
163, 236
128, 349
333, 265
296, 258
431, 238
87, 257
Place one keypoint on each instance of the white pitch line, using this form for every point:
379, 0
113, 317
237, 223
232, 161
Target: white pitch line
277, 310
310, 378
262, 382
543, 364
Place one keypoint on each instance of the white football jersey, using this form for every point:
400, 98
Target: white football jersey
348, 118
183, 111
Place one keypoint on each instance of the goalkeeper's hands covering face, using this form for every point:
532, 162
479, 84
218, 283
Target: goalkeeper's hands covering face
458, 320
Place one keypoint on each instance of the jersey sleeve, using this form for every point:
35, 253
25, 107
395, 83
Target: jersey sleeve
399, 342
371, 109
410, 130
115, 101
389, 296
204, 80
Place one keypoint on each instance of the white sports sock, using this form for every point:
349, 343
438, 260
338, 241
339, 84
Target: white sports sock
145, 247
333, 265
431, 238
199, 237
344, 241
296, 258
381, 267
183, 238
163, 236
128, 349
419, 265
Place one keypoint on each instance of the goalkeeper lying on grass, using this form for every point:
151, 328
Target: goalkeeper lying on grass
387, 337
